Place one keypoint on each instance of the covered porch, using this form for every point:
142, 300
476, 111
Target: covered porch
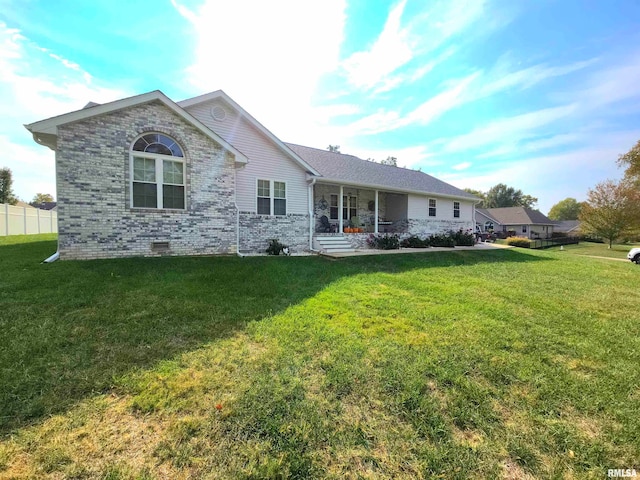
348, 209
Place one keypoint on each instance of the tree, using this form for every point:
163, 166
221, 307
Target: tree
41, 198
393, 161
631, 160
502, 195
6, 187
334, 148
612, 210
567, 209
478, 194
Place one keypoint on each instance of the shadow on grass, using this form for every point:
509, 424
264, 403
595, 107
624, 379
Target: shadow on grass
71, 329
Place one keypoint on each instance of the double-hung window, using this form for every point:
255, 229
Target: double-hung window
157, 173
333, 208
432, 207
456, 209
349, 207
272, 197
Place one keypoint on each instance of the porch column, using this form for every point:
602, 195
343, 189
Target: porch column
340, 206
376, 219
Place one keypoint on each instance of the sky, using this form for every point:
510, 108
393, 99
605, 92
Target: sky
542, 95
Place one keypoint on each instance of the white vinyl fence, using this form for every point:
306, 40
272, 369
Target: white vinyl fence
26, 220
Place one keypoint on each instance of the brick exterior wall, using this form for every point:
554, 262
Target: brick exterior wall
256, 231
429, 227
95, 217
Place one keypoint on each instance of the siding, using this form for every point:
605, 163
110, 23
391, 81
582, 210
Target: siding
418, 208
266, 160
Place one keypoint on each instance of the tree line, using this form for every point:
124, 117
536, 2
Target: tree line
7, 195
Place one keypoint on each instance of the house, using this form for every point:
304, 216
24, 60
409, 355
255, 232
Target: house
571, 228
522, 221
145, 175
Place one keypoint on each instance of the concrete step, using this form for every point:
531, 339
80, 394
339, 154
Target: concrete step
334, 244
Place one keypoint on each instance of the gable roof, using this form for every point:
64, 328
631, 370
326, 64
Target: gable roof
342, 168
485, 213
516, 216
567, 225
219, 94
45, 131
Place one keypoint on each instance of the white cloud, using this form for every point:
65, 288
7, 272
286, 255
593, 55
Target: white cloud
508, 130
398, 44
392, 49
29, 93
408, 157
461, 166
269, 57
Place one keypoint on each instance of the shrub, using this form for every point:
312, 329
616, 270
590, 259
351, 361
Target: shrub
519, 242
464, 239
384, 242
414, 242
442, 240
275, 247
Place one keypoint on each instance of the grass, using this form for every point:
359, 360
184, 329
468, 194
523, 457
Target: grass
465, 364
600, 249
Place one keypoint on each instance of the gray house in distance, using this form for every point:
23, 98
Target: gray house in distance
145, 176
525, 222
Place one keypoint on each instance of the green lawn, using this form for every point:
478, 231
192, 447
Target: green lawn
465, 364
599, 249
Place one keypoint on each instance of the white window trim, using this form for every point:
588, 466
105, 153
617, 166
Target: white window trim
159, 177
429, 207
347, 206
337, 206
454, 209
272, 197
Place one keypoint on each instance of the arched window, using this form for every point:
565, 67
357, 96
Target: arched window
157, 173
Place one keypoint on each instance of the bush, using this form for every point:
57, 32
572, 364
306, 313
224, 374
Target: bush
558, 235
463, 239
442, 240
519, 242
414, 242
384, 242
275, 247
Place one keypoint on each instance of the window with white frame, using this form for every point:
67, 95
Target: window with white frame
272, 197
524, 229
456, 209
432, 207
333, 210
349, 207
157, 173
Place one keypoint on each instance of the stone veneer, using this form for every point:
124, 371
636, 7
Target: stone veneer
95, 217
429, 227
256, 231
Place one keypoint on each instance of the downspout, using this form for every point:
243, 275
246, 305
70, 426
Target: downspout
235, 203
311, 219
55, 256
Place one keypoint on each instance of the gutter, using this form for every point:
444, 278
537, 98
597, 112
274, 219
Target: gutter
387, 188
311, 222
235, 203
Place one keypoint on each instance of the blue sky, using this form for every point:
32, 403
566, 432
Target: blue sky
541, 95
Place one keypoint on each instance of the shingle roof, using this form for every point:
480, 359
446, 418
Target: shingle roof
516, 216
351, 169
567, 225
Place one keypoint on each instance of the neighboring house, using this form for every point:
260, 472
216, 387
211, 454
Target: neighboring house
525, 222
45, 205
569, 227
147, 176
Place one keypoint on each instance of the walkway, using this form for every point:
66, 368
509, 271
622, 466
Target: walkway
371, 251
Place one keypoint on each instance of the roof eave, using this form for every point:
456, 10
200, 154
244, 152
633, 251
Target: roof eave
189, 102
391, 189
50, 126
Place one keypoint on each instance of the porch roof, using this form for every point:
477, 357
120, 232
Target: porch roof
355, 171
